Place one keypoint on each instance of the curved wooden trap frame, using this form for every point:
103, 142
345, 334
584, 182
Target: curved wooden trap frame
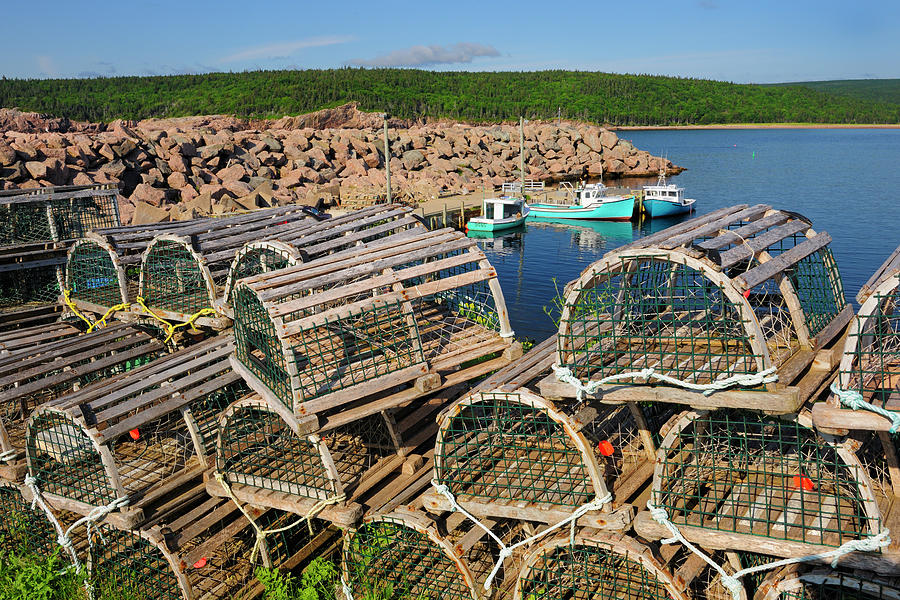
517, 455
735, 292
201, 552
797, 583
51, 362
404, 550
736, 480
136, 435
596, 567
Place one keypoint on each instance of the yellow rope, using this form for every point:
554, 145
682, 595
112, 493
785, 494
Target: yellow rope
170, 327
262, 533
112, 310
68, 301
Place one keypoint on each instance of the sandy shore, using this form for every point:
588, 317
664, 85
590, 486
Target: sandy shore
758, 126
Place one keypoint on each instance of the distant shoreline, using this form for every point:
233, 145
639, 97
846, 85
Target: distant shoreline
759, 126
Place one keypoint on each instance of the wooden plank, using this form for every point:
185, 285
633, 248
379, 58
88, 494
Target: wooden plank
826, 416
781, 401
889, 268
694, 223
751, 247
785, 260
747, 214
733, 236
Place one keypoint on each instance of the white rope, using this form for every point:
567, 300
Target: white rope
565, 375
507, 551
733, 582
854, 400
9, 455
348, 593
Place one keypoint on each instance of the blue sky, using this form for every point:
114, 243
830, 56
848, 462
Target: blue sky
743, 41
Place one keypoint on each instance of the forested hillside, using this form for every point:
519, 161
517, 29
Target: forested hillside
468, 96
874, 90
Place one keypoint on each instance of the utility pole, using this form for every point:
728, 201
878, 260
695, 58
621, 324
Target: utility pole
387, 158
522, 152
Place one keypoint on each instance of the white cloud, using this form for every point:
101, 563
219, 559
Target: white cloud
47, 66
284, 49
418, 56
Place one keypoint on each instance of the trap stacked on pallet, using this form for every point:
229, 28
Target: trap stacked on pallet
514, 454
796, 583
166, 264
201, 548
871, 356
55, 214
35, 229
302, 244
729, 296
404, 555
741, 480
47, 362
407, 312
136, 435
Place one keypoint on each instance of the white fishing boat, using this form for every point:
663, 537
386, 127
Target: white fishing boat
498, 214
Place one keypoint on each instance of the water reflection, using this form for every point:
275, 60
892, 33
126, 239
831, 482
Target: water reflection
590, 234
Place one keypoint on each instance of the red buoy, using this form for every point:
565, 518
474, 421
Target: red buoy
135, 434
803, 482
200, 563
605, 448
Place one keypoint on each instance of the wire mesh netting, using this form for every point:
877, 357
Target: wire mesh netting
39, 219
819, 288
650, 312
128, 566
91, 274
33, 286
589, 570
64, 461
499, 447
875, 347
23, 530
172, 278
258, 449
747, 473
386, 558
256, 258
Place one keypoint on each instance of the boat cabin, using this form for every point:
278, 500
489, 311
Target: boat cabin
501, 208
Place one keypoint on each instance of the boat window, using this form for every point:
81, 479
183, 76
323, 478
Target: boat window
509, 210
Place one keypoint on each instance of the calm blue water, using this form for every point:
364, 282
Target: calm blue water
847, 181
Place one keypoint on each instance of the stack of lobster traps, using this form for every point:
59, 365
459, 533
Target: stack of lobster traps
36, 228
673, 445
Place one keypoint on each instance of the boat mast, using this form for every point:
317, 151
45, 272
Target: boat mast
522, 151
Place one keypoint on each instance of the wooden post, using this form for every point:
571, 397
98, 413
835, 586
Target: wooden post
522, 152
387, 159
444, 215
462, 213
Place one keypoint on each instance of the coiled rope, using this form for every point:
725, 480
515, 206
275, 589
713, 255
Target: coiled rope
565, 375
854, 400
261, 533
733, 582
171, 328
507, 551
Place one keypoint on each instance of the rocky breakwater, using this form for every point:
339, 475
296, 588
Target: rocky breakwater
182, 168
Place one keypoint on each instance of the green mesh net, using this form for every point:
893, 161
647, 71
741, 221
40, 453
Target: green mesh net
23, 530
172, 279
389, 559
589, 571
763, 476
26, 220
91, 275
125, 565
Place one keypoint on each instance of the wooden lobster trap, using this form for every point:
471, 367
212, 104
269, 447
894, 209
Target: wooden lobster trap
598, 566
741, 480
798, 583
27, 531
48, 362
871, 361
14, 340
202, 549
399, 312
405, 555
730, 296
514, 454
136, 435
55, 214
31, 277
303, 244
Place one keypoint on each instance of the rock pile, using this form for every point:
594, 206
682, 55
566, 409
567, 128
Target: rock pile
181, 168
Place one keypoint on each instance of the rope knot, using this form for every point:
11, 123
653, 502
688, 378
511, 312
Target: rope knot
733, 585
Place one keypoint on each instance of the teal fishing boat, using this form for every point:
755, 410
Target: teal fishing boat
666, 199
591, 202
498, 214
